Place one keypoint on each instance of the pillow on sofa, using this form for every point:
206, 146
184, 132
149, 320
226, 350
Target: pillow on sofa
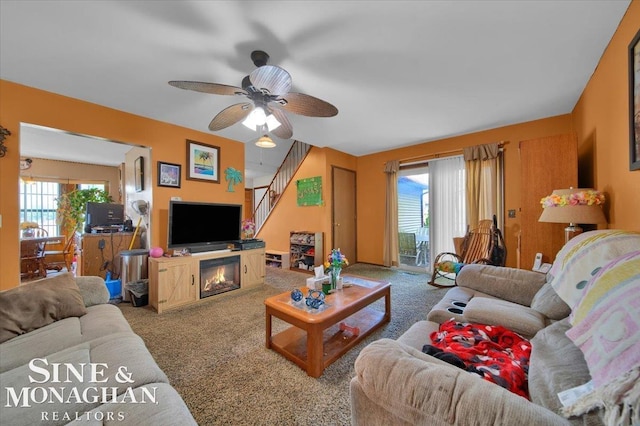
607, 330
548, 303
583, 256
31, 306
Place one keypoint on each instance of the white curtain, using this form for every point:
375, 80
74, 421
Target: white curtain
447, 205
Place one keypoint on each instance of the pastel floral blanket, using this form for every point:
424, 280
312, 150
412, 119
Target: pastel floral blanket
497, 354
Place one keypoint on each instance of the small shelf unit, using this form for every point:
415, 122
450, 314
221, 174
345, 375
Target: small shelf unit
277, 259
306, 250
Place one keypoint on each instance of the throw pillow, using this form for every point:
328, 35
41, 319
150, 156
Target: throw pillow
548, 303
583, 256
34, 305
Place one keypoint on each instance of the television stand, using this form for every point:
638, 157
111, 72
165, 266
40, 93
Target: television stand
175, 281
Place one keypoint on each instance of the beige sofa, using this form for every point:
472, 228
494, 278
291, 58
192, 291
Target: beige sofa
69, 357
396, 383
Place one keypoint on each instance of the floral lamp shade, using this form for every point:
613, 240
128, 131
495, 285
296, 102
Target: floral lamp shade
573, 206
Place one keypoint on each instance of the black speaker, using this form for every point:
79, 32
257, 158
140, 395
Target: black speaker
128, 225
87, 229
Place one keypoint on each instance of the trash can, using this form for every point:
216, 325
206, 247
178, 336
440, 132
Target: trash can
138, 292
134, 268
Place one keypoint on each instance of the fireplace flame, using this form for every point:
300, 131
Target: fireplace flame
216, 278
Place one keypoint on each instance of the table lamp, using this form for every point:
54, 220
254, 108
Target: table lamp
573, 206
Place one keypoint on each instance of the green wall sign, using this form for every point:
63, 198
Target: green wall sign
310, 191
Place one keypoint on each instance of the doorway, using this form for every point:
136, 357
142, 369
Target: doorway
431, 210
343, 217
66, 161
413, 217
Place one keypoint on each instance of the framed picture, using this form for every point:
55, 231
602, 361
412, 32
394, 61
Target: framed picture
138, 173
203, 162
168, 174
634, 103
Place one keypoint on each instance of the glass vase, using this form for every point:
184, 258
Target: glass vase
334, 274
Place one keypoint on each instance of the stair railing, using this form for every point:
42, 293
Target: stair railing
296, 155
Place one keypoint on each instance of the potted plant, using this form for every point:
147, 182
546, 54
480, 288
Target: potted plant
72, 206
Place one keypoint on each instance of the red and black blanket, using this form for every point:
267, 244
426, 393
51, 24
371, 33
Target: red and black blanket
497, 354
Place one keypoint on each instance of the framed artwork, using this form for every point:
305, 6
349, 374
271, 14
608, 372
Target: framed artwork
634, 103
138, 173
203, 162
168, 174
309, 191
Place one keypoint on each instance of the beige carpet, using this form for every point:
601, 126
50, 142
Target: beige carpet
215, 356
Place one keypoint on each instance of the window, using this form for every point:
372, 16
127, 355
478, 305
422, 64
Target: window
38, 204
91, 186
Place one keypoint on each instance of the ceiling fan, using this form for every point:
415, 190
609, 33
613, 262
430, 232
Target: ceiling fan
267, 89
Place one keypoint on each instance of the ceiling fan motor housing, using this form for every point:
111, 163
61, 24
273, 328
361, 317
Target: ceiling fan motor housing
259, 58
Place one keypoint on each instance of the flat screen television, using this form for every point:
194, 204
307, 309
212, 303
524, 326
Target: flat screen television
103, 214
203, 226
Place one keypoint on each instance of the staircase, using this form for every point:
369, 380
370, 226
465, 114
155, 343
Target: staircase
296, 155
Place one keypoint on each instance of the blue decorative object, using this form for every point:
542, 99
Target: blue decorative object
315, 299
232, 176
296, 295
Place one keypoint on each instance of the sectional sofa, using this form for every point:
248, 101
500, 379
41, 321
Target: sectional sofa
583, 324
67, 356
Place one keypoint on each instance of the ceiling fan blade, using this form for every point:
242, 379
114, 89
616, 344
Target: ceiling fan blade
299, 103
274, 79
284, 130
213, 88
230, 115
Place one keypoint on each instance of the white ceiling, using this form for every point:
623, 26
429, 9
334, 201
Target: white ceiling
399, 72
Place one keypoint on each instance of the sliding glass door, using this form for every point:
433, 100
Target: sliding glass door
431, 210
413, 216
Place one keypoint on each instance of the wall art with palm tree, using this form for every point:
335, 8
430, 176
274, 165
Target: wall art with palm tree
203, 162
233, 177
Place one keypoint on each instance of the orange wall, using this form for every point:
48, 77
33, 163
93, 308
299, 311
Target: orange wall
288, 216
371, 179
601, 120
167, 142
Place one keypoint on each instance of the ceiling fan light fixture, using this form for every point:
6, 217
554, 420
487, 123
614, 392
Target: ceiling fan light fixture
272, 123
256, 118
265, 142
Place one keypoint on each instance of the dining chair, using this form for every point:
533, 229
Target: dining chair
32, 262
56, 259
40, 232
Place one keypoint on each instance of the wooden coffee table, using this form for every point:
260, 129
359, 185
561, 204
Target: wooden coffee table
315, 341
